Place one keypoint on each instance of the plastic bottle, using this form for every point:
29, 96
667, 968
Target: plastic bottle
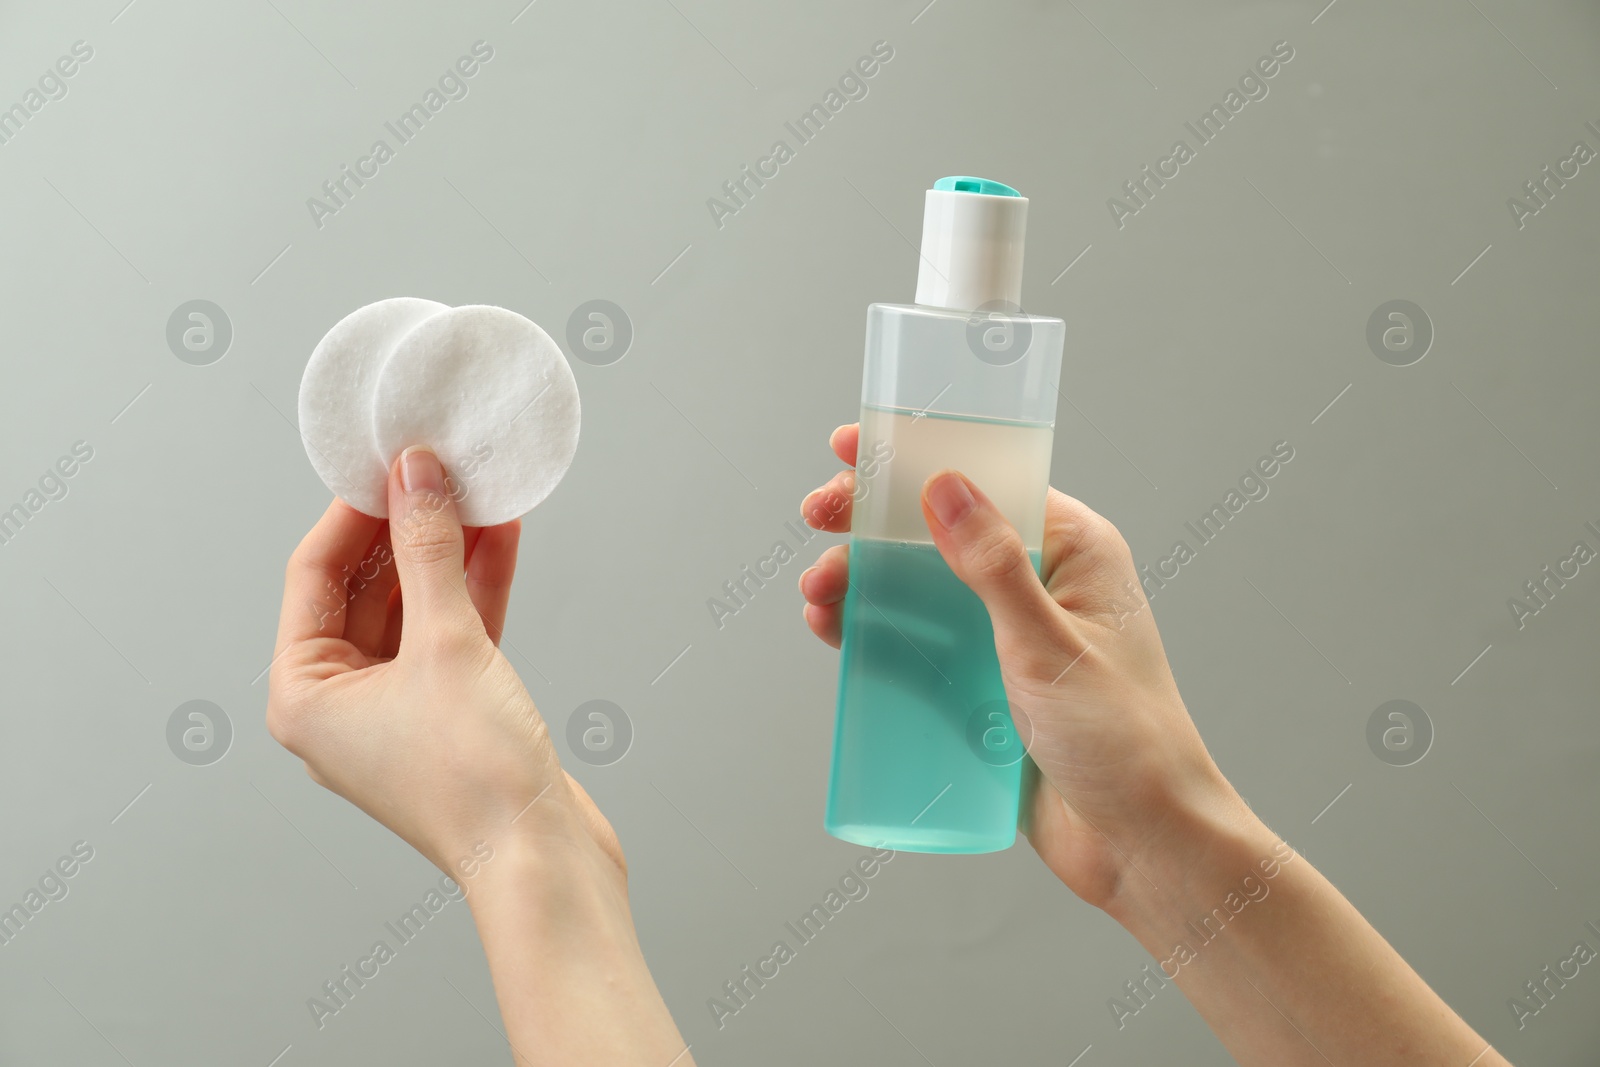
925, 756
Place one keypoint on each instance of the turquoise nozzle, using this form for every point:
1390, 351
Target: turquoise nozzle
962, 183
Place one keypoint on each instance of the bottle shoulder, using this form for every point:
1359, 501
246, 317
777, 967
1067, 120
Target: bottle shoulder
955, 315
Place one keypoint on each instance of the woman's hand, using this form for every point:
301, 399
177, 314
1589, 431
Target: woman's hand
414, 715
1124, 770
1132, 813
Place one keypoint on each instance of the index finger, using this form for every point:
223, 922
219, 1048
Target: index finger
844, 442
315, 596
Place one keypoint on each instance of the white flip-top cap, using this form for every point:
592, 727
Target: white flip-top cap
973, 231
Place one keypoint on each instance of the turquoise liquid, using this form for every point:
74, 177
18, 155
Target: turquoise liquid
926, 758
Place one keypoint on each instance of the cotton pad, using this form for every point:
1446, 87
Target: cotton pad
336, 399
491, 393
485, 388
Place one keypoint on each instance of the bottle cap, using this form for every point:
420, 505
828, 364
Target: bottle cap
973, 231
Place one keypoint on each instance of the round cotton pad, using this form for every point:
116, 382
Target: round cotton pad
336, 399
492, 395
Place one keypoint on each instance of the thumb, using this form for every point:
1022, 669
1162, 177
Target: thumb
986, 552
429, 548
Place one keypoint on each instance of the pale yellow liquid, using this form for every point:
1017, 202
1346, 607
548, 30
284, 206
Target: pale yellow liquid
1008, 461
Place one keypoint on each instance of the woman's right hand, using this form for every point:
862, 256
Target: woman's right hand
1123, 769
388, 682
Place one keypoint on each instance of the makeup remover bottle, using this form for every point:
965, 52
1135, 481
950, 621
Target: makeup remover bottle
926, 757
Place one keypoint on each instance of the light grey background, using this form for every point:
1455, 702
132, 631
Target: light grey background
1225, 316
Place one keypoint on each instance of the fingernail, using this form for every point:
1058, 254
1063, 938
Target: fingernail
950, 499
420, 471
808, 572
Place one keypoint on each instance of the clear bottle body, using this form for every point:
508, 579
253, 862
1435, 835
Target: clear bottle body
925, 757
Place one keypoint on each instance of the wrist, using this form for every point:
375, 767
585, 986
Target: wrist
1207, 849
548, 863
523, 847
569, 973
565, 902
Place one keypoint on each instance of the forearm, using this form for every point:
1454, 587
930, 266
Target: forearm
1284, 970
568, 972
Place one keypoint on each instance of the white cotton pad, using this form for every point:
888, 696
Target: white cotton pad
336, 399
492, 395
